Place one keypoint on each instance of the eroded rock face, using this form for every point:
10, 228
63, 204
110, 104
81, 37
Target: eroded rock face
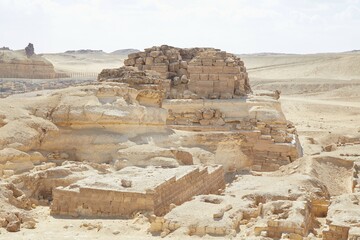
25, 64
130, 107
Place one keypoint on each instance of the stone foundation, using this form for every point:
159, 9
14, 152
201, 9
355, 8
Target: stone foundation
268, 141
147, 189
336, 232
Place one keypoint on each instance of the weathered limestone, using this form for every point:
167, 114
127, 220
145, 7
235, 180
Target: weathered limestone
15, 206
343, 218
268, 140
264, 205
16, 64
151, 189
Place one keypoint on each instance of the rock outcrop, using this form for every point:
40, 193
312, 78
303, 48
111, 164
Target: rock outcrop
244, 131
29, 50
24, 64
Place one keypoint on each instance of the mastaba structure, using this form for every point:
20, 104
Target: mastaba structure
207, 93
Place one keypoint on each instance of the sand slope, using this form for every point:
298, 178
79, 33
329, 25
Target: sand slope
339, 66
91, 62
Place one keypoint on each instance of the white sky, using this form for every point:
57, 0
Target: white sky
239, 26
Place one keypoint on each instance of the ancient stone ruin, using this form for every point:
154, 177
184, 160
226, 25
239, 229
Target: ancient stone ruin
213, 73
140, 189
207, 90
160, 136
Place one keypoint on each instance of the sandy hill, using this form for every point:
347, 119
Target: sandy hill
305, 74
125, 52
339, 66
89, 61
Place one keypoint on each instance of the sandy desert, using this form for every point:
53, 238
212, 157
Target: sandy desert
253, 165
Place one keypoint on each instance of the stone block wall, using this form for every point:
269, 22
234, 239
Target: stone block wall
90, 202
217, 74
336, 232
195, 72
34, 69
180, 190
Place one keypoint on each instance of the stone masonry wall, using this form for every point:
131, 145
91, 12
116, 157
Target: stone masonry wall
180, 190
217, 74
109, 203
194, 72
34, 69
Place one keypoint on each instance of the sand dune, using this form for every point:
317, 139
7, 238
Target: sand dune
338, 66
91, 62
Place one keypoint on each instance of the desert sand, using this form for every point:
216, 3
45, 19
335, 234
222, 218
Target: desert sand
85, 62
320, 95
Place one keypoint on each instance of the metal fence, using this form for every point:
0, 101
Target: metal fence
70, 75
13, 84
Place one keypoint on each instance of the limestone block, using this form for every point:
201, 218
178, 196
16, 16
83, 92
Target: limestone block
220, 54
183, 71
133, 55
226, 77
176, 81
155, 54
161, 68
160, 59
213, 77
129, 62
207, 62
194, 69
204, 77
219, 122
146, 67
219, 62
208, 114
231, 83
266, 114
232, 70
205, 86
142, 54
204, 122
139, 60
226, 95
184, 79
194, 77
149, 60
139, 66
174, 67
183, 64
212, 69
13, 226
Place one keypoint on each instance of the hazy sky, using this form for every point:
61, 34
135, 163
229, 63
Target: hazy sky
239, 26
